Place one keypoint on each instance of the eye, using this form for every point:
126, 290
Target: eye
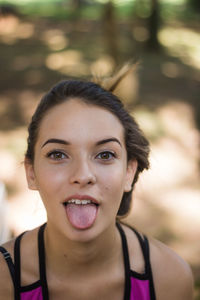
106, 155
56, 155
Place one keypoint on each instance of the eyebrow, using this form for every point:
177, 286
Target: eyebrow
108, 140
63, 142
56, 141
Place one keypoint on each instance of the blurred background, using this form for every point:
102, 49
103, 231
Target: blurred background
44, 41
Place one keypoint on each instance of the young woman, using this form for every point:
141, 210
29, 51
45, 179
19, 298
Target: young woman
84, 155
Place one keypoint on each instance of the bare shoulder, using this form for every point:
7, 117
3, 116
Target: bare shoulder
172, 275
6, 285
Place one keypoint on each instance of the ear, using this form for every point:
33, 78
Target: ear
30, 174
130, 174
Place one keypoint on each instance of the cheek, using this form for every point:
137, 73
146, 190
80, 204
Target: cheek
50, 181
113, 183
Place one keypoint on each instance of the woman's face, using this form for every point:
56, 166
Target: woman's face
80, 168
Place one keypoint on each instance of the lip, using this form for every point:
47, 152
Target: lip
81, 197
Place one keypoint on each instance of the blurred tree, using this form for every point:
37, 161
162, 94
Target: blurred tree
75, 7
194, 4
110, 30
76, 4
154, 21
8, 9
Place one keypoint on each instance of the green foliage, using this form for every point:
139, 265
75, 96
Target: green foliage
184, 10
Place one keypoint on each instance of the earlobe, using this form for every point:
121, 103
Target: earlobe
130, 174
30, 175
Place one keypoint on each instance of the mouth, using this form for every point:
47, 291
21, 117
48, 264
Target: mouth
81, 211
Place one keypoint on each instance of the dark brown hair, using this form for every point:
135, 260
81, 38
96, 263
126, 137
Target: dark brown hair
137, 145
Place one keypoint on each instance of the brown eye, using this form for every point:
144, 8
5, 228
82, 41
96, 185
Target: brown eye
106, 155
56, 155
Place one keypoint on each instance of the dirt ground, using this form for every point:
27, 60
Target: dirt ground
164, 96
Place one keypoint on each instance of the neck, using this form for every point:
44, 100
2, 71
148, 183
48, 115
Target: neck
66, 256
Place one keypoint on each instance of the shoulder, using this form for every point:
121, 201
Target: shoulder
6, 284
172, 275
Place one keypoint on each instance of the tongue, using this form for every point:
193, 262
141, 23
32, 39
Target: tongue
81, 216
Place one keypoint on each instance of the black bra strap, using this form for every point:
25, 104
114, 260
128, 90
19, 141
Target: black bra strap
17, 260
126, 262
148, 267
9, 262
144, 243
42, 262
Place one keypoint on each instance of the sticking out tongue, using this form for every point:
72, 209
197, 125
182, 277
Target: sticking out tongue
81, 216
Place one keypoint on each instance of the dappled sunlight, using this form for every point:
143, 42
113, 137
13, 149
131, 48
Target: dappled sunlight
55, 39
8, 166
182, 42
68, 62
8, 24
175, 154
26, 211
168, 194
103, 66
178, 122
12, 30
149, 122
4, 103
25, 30
166, 200
171, 69
140, 33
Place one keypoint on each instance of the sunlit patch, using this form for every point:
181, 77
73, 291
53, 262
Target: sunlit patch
4, 104
179, 118
25, 30
183, 43
171, 70
8, 39
67, 62
11, 30
55, 39
103, 66
27, 102
141, 34
149, 122
8, 24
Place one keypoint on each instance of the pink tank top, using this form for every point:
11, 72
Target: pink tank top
137, 286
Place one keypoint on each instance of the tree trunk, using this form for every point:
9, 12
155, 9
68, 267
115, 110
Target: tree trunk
154, 25
110, 30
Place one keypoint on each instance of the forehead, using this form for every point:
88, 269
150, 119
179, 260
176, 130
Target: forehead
75, 118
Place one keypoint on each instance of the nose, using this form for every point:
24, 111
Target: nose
82, 174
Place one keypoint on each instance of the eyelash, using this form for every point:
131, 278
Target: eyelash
52, 155
112, 155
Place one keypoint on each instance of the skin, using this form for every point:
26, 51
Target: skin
84, 163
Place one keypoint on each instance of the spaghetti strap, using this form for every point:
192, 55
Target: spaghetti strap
136, 284
144, 243
126, 261
17, 260
148, 267
9, 262
42, 261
